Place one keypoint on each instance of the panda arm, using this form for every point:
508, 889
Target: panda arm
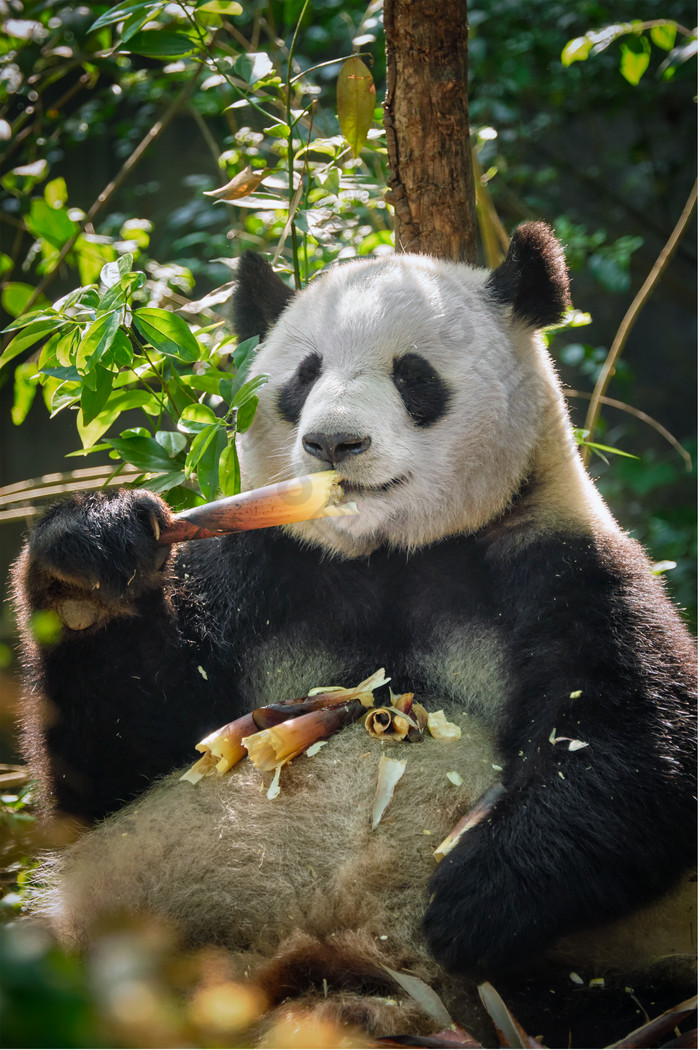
581, 836
118, 696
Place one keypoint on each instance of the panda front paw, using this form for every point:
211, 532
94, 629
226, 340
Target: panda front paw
484, 917
93, 555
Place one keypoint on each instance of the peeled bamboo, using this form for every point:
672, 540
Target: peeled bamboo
300, 499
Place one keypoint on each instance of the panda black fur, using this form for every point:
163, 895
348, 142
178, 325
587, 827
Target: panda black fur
483, 571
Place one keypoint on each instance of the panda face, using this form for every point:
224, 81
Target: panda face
403, 376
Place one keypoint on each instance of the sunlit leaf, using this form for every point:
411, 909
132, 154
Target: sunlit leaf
229, 471
95, 342
15, 296
208, 463
220, 7
112, 272
664, 35
356, 101
26, 380
576, 50
167, 332
195, 418
122, 11
56, 192
51, 224
634, 58
30, 335
252, 66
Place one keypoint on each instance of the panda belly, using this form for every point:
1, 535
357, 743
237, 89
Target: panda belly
219, 862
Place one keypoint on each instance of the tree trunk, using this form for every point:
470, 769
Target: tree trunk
426, 116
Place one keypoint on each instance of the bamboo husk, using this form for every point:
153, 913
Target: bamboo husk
299, 499
404, 720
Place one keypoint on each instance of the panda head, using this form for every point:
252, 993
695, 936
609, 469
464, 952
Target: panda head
422, 382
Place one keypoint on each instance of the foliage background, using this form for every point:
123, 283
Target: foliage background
607, 162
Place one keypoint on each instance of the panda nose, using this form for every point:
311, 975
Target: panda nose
334, 448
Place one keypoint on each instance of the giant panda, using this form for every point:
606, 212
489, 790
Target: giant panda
483, 571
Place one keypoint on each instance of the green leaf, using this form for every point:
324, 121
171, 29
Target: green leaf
96, 341
664, 36
244, 355
356, 101
93, 401
144, 453
576, 50
199, 446
171, 441
112, 272
209, 382
229, 471
26, 380
195, 418
121, 353
119, 401
6, 263
56, 192
66, 348
634, 58
168, 333
251, 66
161, 43
30, 334
204, 455
248, 390
246, 414
51, 224
92, 254
15, 296
123, 11
220, 7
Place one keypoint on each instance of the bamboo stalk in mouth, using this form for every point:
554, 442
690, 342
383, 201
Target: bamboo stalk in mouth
299, 499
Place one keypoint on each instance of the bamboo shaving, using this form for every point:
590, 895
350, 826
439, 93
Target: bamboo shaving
274, 788
389, 773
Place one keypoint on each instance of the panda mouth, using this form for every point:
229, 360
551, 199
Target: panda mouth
351, 488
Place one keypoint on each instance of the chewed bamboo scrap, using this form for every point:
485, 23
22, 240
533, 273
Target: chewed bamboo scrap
441, 729
481, 809
225, 747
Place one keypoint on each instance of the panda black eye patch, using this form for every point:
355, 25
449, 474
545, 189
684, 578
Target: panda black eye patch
295, 392
425, 395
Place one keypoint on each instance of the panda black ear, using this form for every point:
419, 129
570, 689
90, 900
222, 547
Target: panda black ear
533, 278
259, 298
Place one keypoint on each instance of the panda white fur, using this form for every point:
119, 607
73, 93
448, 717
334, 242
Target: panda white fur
483, 571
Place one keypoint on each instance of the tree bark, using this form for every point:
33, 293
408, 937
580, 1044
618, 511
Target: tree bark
426, 116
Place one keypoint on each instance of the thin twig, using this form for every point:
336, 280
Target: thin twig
637, 412
622, 334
